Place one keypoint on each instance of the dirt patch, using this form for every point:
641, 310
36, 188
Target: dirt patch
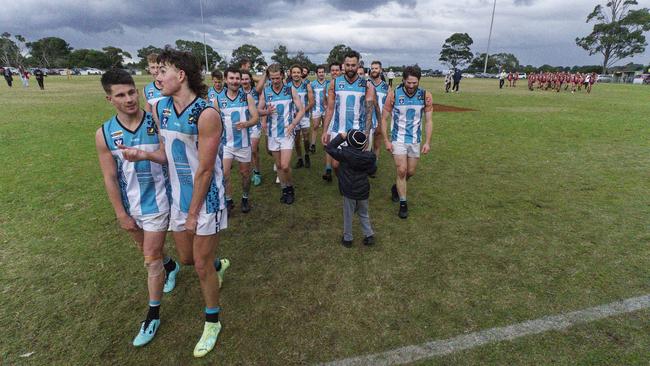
449, 108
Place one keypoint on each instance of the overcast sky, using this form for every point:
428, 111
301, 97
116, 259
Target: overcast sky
395, 32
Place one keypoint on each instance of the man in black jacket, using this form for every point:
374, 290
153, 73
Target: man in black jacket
356, 165
8, 77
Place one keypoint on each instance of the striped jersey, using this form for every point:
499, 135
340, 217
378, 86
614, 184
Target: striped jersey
381, 91
407, 116
303, 95
256, 97
232, 112
152, 94
320, 102
279, 120
350, 104
213, 93
180, 134
142, 183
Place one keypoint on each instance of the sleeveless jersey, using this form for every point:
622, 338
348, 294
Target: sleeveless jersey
152, 94
302, 93
350, 105
256, 97
320, 102
234, 111
284, 109
142, 183
213, 94
180, 134
381, 91
407, 116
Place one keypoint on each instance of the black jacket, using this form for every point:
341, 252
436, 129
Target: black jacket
354, 168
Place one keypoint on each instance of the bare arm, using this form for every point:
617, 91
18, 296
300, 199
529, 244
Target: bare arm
259, 84
329, 113
252, 110
371, 102
299, 114
310, 98
109, 172
428, 115
210, 128
147, 106
388, 110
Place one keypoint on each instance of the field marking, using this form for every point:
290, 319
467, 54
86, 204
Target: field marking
429, 350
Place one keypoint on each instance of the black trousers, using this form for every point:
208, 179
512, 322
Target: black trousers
501, 82
456, 85
390, 82
9, 81
40, 83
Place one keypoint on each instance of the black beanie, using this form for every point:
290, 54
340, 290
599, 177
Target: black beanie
356, 139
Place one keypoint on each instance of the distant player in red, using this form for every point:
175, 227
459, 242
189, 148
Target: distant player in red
515, 77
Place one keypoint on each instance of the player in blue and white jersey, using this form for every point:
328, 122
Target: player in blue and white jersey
381, 89
255, 132
319, 87
335, 71
351, 101
217, 87
301, 85
283, 109
408, 105
238, 114
151, 91
137, 191
190, 132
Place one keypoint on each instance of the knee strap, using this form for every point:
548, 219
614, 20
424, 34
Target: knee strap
154, 266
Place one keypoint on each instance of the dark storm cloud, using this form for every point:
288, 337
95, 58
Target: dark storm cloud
367, 5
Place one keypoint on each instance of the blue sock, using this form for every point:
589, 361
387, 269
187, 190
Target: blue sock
212, 314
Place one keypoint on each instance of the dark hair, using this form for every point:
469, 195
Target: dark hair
116, 77
295, 66
250, 74
233, 70
376, 63
352, 54
244, 60
184, 60
320, 67
335, 63
217, 74
274, 68
412, 71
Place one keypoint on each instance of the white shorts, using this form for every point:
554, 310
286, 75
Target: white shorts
208, 223
155, 223
304, 123
255, 132
241, 154
317, 114
281, 143
411, 150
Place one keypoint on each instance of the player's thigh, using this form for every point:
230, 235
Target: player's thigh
244, 168
227, 166
285, 157
154, 241
401, 161
205, 247
138, 237
184, 247
412, 164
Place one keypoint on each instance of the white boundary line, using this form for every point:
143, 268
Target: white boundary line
429, 350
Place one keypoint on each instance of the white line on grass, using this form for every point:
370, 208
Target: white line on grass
429, 350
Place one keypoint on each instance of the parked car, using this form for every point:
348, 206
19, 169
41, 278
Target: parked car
468, 75
14, 70
94, 71
604, 78
522, 75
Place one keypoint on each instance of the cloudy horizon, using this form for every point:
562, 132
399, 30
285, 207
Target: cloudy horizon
397, 33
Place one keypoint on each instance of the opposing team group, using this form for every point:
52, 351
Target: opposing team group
556, 80
168, 167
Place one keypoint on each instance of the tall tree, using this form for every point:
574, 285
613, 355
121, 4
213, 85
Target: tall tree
196, 48
50, 51
455, 51
617, 32
248, 51
337, 53
89, 58
144, 52
281, 56
10, 54
303, 60
116, 55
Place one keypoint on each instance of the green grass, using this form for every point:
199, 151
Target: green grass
535, 204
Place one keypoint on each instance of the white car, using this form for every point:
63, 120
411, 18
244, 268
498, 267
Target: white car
94, 71
468, 76
522, 75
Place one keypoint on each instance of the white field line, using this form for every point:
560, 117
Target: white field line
432, 349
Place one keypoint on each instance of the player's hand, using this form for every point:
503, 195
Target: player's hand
426, 148
128, 223
191, 223
132, 154
325, 138
389, 146
291, 129
240, 125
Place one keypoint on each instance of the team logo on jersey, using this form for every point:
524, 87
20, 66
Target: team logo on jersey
362, 83
224, 104
151, 130
421, 96
341, 86
150, 93
116, 134
242, 99
401, 100
118, 141
287, 91
269, 98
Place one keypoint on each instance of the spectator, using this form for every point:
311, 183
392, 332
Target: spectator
8, 77
502, 78
391, 76
24, 76
457, 76
448, 79
39, 74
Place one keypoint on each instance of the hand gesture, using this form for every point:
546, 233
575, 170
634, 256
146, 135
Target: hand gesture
240, 125
131, 153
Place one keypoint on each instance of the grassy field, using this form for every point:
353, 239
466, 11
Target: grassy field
534, 204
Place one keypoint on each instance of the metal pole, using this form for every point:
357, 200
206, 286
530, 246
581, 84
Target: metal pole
205, 48
487, 52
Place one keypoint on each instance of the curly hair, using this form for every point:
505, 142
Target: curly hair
184, 60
